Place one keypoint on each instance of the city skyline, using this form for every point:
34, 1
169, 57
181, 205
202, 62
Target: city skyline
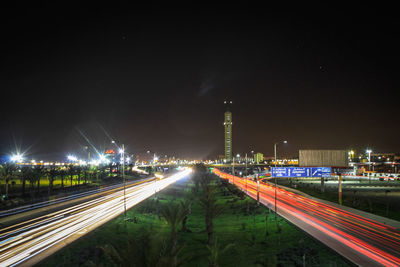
156, 82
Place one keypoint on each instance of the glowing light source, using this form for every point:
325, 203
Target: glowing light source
72, 158
17, 158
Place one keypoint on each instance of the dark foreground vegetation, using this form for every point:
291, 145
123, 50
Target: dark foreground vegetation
203, 221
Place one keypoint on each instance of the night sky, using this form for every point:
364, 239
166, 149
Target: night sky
155, 79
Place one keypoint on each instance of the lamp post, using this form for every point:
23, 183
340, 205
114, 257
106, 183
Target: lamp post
88, 151
369, 164
284, 142
246, 164
123, 176
122, 152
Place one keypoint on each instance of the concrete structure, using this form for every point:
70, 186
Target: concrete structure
228, 132
323, 158
258, 157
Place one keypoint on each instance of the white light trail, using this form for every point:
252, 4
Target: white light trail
23, 241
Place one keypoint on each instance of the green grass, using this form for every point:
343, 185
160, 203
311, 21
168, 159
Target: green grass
251, 244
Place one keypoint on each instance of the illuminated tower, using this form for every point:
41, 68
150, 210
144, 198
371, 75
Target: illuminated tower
228, 132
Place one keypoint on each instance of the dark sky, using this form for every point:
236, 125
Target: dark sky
155, 78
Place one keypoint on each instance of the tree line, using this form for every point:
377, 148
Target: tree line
30, 177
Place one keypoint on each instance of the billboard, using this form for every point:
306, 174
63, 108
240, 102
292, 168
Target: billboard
301, 172
323, 158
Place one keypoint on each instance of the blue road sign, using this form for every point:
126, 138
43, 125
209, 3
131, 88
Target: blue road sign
321, 172
301, 172
279, 172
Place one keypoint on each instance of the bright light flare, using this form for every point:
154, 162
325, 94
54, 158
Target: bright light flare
72, 158
17, 158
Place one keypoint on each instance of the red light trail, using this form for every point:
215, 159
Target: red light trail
363, 241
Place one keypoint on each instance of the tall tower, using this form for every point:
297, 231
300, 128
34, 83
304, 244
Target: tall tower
228, 131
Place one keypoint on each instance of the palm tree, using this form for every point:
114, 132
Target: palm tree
71, 172
62, 173
215, 251
6, 172
212, 210
38, 173
25, 172
78, 171
186, 206
174, 215
51, 174
32, 179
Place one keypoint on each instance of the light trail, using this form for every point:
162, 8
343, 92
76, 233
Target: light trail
20, 243
362, 240
58, 200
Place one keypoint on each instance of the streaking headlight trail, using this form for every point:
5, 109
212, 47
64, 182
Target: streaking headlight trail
28, 242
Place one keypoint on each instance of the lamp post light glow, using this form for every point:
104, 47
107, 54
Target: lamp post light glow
72, 158
17, 158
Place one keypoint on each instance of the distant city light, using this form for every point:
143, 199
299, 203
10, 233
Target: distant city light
72, 158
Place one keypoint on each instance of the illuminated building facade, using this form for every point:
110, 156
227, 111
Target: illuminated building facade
228, 132
258, 158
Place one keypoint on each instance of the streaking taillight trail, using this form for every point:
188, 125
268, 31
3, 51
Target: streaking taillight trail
362, 240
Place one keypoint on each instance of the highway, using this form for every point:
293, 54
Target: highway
28, 242
362, 240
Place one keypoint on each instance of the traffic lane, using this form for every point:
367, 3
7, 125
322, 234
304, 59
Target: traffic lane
60, 230
71, 212
45, 243
341, 227
328, 235
382, 235
56, 200
32, 214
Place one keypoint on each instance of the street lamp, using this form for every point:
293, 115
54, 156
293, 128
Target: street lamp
369, 164
284, 142
252, 153
88, 151
369, 158
121, 150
